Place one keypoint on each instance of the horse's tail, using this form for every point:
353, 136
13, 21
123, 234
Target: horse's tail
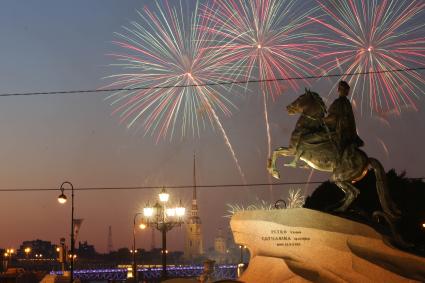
390, 213
388, 206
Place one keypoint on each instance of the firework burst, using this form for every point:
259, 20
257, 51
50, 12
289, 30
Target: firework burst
295, 199
262, 40
374, 36
168, 61
164, 52
259, 205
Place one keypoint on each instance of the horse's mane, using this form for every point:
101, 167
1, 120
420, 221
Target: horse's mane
319, 99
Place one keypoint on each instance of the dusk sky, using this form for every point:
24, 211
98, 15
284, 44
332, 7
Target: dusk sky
47, 139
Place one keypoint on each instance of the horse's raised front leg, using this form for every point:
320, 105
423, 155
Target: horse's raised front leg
271, 166
351, 194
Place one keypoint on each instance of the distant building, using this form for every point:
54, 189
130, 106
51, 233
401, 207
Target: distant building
220, 245
193, 248
85, 250
2, 260
221, 253
36, 248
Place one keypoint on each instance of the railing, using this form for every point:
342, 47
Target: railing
152, 274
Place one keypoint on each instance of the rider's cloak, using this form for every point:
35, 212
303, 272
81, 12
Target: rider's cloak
340, 120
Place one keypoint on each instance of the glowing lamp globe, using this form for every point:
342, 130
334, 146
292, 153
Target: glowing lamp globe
180, 210
62, 198
148, 211
164, 196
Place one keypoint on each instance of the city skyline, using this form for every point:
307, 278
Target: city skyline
49, 139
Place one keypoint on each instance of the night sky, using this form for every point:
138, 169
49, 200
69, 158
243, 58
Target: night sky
48, 139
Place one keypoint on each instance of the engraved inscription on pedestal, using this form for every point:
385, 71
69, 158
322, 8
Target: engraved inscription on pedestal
286, 237
288, 245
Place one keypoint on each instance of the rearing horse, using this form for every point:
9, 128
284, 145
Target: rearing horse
317, 149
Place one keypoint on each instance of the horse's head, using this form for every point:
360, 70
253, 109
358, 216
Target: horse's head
309, 103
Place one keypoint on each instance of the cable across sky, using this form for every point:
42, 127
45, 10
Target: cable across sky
213, 84
177, 186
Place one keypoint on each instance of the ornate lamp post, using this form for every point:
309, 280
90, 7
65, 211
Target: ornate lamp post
134, 251
164, 219
62, 199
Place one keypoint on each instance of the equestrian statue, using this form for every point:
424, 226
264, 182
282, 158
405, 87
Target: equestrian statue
327, 140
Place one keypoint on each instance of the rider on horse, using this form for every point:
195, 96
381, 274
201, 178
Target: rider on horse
330, 144
340, 124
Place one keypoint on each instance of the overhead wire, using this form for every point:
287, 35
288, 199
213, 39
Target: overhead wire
175, 186
168, 187
211, 84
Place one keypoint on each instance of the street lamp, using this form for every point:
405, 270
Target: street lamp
134, 251
27, 251
241, 265
164, 219
8, 255
62, 199
241, 257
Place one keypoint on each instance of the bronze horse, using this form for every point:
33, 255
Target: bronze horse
318, 151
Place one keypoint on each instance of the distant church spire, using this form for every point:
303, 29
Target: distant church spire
194, 177
193, 244
194, 213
